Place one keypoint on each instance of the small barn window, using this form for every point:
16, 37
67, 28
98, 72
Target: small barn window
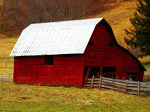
110, 44
131, 76
91, 43
49, 60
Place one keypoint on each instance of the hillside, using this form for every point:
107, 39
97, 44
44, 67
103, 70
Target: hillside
16, 15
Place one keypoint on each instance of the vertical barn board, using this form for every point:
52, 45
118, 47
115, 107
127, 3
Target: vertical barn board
78, 71
18, 70
131, 64
59, 73
73, 75
49, 74
69, 70
25, 69
101, 53
40, 74
30, 72
18, 74
45, 74
68, 60
34, 79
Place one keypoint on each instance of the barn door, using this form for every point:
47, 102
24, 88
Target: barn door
94, 72
88, 72
85, 69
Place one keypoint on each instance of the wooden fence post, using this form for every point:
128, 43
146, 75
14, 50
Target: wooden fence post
138, 87
126, 86
100, 82
2, 77
112, 84
92, 82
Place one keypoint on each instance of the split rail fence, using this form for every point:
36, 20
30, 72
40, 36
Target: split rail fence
6, 76
127, 86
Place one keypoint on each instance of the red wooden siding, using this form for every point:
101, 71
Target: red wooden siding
66, 70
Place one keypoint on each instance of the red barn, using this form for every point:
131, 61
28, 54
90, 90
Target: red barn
68, 52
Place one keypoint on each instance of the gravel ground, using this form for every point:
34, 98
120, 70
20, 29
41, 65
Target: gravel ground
147, 72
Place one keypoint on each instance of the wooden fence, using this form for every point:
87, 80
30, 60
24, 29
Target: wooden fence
6, 62
6, 76
126, 86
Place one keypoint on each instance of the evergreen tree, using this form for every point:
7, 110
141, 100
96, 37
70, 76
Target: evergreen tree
139, 34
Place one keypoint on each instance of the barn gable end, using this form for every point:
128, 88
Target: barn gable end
67, 53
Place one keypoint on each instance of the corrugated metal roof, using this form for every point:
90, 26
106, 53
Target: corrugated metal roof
54, 38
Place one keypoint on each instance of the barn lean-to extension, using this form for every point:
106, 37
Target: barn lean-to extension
69, 52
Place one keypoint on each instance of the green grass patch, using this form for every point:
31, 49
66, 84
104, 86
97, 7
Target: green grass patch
27, 98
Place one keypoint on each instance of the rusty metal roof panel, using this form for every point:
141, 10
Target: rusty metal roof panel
54, 38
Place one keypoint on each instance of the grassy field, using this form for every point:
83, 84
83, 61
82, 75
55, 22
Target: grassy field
27, 98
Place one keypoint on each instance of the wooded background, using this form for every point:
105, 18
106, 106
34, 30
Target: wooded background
18, 14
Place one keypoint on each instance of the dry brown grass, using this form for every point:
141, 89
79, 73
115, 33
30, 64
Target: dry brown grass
6, 45
107, 101
145, 59
1, 2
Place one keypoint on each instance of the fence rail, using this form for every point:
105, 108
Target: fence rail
6, 58
119, 85
6, 76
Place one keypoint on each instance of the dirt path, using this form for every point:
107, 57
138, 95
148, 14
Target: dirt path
147, 72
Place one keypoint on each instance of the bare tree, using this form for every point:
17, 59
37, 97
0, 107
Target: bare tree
53, 10
9, 15
16, 13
